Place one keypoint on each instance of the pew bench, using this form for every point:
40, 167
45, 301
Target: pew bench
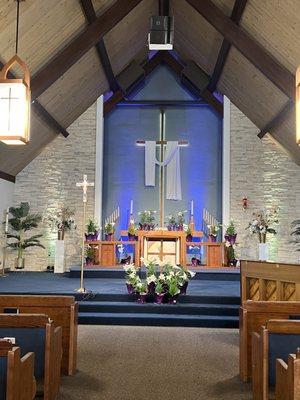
253, 315
63, 311
17, 380
37, 334
288, 377
276, 340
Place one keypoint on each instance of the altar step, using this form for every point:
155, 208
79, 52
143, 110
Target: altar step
185, 313
216, 274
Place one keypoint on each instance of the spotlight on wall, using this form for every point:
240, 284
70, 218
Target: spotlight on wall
161, 35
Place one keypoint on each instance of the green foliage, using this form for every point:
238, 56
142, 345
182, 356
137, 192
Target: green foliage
20, 222
92, 227
231, 230
159, 288
89, 252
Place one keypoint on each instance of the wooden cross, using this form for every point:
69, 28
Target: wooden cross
85, 184
162, 143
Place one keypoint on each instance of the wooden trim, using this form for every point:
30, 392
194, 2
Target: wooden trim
23, 320
252, 50
50, 120
7, 177
236, 15
79, 46
277, 120
90, 15
163, 7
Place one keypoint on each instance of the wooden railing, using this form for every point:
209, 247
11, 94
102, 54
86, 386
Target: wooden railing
270, 281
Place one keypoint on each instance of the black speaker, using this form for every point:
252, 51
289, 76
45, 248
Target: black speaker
161, 34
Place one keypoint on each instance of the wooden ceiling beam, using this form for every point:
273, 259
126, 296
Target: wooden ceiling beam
236, 15
277, 120
163, 7
50, 120
90, 15
253, 51
7, 177
79, 46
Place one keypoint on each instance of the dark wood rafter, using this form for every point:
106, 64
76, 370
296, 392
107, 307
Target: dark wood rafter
177, 67
79, 46
90, 15
236, 15
253, 51
163, 7
50, 120
277, 120
7, 177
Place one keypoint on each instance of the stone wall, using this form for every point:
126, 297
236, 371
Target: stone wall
268, 177
49, 183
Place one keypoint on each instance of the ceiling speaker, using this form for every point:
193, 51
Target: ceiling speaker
161, 35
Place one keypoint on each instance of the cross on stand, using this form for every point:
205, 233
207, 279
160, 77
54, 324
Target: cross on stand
9, 98
84, 185
162, 143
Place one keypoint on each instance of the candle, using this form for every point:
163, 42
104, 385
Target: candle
6, 220
131, 207
192, 207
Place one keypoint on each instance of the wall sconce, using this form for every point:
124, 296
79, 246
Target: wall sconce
245, 203
297, 104
14, 105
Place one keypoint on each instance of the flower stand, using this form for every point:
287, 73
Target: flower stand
263, 251
59, 263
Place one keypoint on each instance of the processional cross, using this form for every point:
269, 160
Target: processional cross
84, 185
162, 143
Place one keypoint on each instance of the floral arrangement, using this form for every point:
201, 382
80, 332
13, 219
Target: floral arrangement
163, 281
176, 222
64, 221
230, 243
263, 222
92, 230
214, 231
109, 228
147, 220
296, 232
89, 255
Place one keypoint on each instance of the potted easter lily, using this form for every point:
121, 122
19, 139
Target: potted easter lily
141, 289
92, 231
213, 232
159, 293
132, 279
109, 230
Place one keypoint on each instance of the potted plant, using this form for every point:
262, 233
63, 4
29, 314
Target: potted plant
131, 277
89, 255
64, 221
159, 293
180, 220
92, 231
173, 290
189, 234
151, 282
141, 289
172, 225
213, 232
147, 220
132, 233
263, 222
20, 222
109, 230
230, 234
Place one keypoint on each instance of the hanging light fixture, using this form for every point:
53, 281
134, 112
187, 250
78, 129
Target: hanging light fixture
297, 103
15, 99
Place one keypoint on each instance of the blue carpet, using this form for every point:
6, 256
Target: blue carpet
207, 304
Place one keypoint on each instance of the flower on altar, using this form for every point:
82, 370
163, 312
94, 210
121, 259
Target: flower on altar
129, 267
214, 229
109, 228
151, 278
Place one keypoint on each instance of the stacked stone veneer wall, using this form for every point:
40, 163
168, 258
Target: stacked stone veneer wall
49, 183
261, 171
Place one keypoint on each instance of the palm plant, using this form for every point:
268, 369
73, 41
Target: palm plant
21, 222
296, 232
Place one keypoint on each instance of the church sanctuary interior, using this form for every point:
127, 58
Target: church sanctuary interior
150, 199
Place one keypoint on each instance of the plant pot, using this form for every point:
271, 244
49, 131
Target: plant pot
183, 288
142, 298
109, 237
91, 237
231, 239
130, 288
233, 262
132, 238
189, 238
89, 262
262, 237
151, 287
212, 238
173, 299
61, 234
20, 263
195, 262
180, 227
159, 297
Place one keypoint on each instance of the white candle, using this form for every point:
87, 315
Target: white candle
131, 207
6, 220
192, 207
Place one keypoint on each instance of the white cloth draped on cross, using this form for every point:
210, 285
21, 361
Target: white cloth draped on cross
172, 161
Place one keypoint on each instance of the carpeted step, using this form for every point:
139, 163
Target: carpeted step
143, 319
179, 308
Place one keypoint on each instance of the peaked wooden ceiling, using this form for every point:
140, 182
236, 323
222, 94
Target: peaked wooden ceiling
76, 49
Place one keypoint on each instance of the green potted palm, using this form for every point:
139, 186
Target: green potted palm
20, 222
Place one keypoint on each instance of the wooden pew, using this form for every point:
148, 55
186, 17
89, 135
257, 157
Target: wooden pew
17, 380
288, 378
63, 310
37, 333
276, 340
253, 315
